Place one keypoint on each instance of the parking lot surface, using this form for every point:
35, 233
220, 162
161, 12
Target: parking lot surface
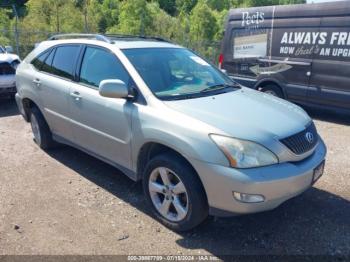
64, 201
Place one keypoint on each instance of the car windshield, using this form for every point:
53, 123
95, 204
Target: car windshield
177, 73
2, 50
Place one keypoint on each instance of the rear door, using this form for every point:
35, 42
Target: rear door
101, 125
52, 83
330, 79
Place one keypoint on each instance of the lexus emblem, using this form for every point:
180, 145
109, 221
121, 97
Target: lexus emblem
309, 137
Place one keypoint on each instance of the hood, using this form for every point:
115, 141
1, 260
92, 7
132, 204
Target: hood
8, 58
246, 114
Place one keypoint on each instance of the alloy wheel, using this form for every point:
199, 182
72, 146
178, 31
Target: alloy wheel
168, 194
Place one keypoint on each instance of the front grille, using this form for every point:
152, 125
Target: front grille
302, 142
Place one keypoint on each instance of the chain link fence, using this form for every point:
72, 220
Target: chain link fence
24, 41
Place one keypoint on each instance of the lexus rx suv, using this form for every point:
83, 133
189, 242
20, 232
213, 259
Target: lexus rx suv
201, 144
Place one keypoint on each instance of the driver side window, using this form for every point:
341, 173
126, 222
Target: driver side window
99, 64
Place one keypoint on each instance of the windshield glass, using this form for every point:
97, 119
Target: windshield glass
2, 50
178, 73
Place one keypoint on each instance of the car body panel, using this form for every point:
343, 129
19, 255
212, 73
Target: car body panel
246, 114
102, 125
277, 183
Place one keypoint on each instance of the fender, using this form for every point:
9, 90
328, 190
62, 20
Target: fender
200, 148
174, 142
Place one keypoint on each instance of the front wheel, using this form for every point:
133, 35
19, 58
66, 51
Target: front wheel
272, 90
174, 192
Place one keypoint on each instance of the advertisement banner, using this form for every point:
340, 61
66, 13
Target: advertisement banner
250, 46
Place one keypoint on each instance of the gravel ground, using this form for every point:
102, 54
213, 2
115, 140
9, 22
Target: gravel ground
66, 202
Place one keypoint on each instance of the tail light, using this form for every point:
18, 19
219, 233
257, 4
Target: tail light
221, 60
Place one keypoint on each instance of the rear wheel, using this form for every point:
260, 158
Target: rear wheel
41, 131
272, 90
174, 192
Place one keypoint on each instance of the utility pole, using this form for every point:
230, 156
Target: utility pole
16, 28
85, 10
142, 28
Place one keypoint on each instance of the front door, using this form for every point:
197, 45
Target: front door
101, 125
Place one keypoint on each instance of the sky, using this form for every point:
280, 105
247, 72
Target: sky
320, 1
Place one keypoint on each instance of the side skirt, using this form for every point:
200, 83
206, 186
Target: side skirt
131, 174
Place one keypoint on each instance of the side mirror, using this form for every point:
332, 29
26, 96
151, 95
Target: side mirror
9, 49
113, 88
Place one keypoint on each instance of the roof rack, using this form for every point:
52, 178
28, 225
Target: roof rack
135, 37
89, 36
109, 38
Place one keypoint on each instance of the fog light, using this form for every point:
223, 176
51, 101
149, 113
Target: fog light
248, 198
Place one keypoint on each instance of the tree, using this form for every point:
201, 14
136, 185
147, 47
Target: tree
163, 24
193, 23
109, 14
202, 22
168, 6
134, 18
5, 23
219, 5
186, 6
248, 3
53, 15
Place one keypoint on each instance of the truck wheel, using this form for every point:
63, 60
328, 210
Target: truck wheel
175, 193
40, 129
272, 90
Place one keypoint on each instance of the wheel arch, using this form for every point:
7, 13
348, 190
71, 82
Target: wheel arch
269, 81
27, 105
151, 149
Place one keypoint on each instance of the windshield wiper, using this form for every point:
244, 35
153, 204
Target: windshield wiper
218, 87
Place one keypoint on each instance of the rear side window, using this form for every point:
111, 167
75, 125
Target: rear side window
46, 66
39, 60
99, 64
64, 60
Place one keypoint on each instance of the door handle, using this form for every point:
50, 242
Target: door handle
37, 82
76, 95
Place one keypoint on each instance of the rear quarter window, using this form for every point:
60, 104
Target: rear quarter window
39, 60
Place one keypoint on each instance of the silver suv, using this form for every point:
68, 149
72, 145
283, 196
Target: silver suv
200, 143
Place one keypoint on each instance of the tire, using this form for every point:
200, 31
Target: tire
193, 201
272, 90
40, 129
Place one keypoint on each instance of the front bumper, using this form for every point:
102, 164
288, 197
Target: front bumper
277, 183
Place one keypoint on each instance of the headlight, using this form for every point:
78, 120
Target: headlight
243, 153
